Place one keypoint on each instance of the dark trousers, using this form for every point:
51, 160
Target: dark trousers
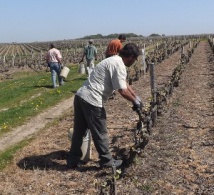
87, 116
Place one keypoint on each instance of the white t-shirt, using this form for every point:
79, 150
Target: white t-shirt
109, 75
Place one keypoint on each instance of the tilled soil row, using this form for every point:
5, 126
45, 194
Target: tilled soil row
40, 167
179, 156
193, 119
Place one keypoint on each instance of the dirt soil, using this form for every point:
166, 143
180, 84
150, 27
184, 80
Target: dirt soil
177, 160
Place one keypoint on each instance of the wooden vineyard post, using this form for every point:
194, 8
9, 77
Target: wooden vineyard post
213, 44
153, 93
165, 47
13, 60
190, 44
144, 59
182, 50
4, 60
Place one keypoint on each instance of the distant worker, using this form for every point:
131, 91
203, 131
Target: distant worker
90, 53
115, 46
54, 61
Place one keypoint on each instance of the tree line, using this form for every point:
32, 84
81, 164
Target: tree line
115, 35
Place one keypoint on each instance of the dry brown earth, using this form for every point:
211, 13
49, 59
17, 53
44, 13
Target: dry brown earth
177, 160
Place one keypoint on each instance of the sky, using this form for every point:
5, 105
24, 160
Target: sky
50, 20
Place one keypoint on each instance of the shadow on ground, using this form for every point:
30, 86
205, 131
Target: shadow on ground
52, 161
49, 161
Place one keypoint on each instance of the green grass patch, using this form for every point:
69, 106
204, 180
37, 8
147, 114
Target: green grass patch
26, 96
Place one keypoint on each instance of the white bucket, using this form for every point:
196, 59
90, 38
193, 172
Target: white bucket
64, 72
81, 69
86, 145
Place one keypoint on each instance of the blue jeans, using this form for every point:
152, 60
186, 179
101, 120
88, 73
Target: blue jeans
55, 68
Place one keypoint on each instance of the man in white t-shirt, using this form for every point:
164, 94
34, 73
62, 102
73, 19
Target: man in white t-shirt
89, 112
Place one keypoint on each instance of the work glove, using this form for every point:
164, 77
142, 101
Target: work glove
137, 105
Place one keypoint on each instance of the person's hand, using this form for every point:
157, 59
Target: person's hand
137, 105
138, 98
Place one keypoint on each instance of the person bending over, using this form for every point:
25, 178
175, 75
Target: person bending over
89, 112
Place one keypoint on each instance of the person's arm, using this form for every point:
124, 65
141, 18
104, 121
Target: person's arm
95, 53
82, 58
59, 59
131, 90
130, 95
47, 59
58, 56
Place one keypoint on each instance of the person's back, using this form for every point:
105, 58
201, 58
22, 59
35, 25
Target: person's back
115, 46
103, 81
53, 55
90, 52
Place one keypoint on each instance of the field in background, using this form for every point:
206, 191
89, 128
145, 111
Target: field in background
178, 158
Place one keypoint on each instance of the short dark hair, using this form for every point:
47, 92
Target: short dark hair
52, 45
130, 49
122, 37
91, 41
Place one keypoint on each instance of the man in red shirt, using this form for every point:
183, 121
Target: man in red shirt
115, 46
